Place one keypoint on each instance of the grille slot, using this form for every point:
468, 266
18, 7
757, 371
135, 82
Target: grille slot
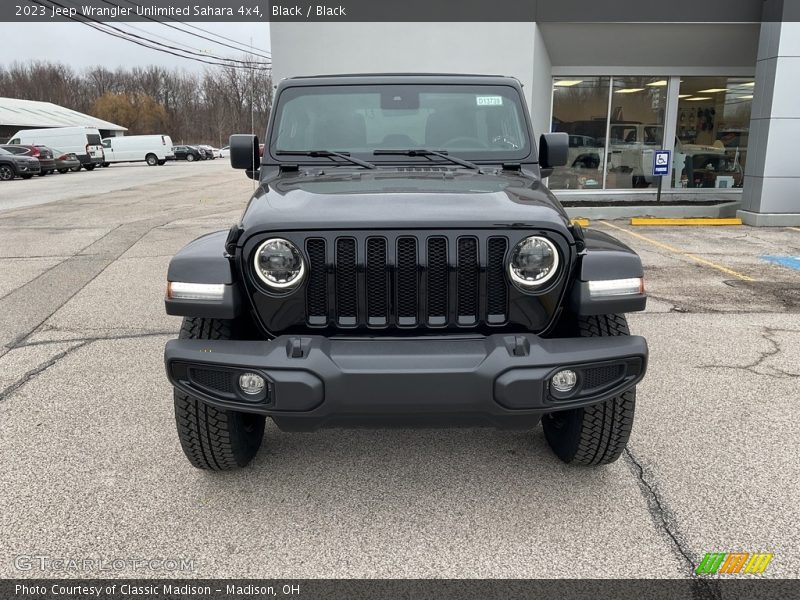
219, 381
496, 290
407, 281
317, 294
437, 281
346, 282
467, 281
377, 279
597, 377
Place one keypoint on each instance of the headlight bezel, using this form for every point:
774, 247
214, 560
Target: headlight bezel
277, 286
538, 285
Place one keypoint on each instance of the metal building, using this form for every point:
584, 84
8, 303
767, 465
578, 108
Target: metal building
18, 114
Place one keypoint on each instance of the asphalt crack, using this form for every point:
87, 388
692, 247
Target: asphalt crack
767, 334
29, 375
702, 589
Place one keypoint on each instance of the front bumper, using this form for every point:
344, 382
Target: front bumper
312, 381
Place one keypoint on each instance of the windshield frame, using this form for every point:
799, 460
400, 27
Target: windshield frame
491, 157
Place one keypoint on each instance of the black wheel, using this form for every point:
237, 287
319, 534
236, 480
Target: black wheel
89, 167
161, 163
27, 176
43, 173
106, 165
151, 160
76, 169
597, 434
190, 157
62, 171
6, 173
211, 438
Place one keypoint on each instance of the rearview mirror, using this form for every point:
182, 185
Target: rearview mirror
244, 152
553, 150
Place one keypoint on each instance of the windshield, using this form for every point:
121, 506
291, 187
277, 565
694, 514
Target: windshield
473, 122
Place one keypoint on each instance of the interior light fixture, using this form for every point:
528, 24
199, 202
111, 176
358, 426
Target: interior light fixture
697, 98
628, 90
662, 83
712, 90
749, 84
567, 82
684, 95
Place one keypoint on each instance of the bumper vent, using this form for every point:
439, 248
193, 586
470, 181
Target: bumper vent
211, 379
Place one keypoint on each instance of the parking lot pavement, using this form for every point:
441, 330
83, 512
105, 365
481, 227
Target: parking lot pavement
92, 467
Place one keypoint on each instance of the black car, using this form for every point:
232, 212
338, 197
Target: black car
186, 153
13, 165
43, 154
201, 151
402, 263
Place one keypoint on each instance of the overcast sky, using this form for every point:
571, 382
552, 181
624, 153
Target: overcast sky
79, 45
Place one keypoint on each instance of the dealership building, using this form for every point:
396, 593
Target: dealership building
721, 96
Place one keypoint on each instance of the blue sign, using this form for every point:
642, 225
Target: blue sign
661, 163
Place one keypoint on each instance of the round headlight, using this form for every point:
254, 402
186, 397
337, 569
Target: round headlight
534, 261
279, 263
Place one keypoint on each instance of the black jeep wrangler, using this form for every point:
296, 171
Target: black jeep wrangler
402, 263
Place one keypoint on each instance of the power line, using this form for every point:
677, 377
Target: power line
124, 36
242, 47
157, 46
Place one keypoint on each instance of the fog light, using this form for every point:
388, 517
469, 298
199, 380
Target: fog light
251, 383
564, 381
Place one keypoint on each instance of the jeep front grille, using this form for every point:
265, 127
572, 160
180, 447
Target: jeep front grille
406, 281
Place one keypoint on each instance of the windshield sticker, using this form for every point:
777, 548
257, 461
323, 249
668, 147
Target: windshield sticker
489, 100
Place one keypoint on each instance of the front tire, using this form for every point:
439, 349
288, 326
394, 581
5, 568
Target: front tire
89, 167
151, 160
212, 438
596, 434
6, 173
190, 157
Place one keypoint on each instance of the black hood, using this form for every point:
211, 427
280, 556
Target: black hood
402, 198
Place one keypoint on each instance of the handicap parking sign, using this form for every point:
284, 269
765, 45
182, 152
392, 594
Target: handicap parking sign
661, 163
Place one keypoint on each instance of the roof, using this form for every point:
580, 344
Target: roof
400, 78
29, 113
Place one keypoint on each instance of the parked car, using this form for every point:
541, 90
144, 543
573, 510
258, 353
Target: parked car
65, 161
186, 153
202, 151
225, 152
211, 152
17, 165
426, 276
84, 142
152, 149
43, 154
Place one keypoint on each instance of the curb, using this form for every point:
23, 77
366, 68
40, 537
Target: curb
702, 222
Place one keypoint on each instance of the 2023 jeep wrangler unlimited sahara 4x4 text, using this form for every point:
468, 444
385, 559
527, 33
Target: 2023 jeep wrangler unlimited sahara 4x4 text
400, 263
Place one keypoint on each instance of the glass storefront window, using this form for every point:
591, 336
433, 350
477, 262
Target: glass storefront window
712, 131
636, 129
580, 108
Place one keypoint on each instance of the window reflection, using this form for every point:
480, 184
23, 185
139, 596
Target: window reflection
637, 129
580, 108
712, 132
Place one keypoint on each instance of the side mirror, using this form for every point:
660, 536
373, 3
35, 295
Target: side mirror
553, 151
244, 153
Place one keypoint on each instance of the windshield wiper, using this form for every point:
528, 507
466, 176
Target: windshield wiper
327, 154
427, 152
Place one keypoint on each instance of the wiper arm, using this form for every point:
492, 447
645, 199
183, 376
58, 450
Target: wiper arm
428, 152
328, 154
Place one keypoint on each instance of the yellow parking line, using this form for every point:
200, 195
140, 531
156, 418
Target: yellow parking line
693, 257
687, 221
581, 222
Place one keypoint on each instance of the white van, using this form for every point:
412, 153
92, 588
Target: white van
152, 149
84, 142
